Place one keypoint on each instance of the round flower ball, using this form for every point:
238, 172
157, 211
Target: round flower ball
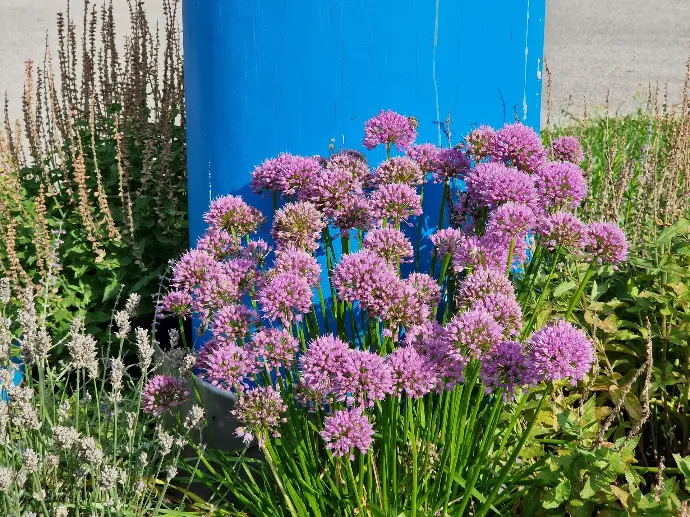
567, 149
559, 351
560, 185
606, 243
389, 128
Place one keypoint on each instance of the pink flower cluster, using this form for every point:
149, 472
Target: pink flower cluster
389, 128
347, 430
512, 192
162, 393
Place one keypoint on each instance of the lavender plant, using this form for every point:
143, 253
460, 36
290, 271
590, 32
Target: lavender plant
403, 392
73, 440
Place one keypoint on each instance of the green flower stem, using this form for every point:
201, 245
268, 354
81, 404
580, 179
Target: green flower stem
353, 484
41, 388
420, 219
531, 273
580, 290
444, 268
330, 258
276, 475
486, 506
450, 299
517, 414
322, 304
542, 297
442, 209
353, 324
413, 440
432, 269
511, 252
479, 458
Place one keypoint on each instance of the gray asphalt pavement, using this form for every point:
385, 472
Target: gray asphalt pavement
592, 47
615, 46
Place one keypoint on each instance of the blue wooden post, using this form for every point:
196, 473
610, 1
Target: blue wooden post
267, 76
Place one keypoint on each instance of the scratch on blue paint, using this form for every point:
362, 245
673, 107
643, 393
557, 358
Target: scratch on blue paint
524, 95
433, 64
503, 102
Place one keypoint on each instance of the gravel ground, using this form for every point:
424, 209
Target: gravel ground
592, 47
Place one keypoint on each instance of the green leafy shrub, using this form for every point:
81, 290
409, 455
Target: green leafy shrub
97, 181
637, 168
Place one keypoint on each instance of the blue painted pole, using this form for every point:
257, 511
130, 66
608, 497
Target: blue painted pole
263, 77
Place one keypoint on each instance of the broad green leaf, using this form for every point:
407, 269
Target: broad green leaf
558, 495
564, 288
684, 466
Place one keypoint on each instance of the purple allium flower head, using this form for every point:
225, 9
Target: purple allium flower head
227, 365
560, 185
606, 243
427, 290
472, 333
429, 340
242, 270
492, 184
232, 322
216, 291
232, 214
520, 146
421, 336
162, 393
286, 174
462, 213
285, 297
412, 373
511, 221
453, 163
448, 240
363, 377
399, 169
178, 302
352, 161
483, 282
301, 263
403, 307
365, 277
564, 230
203, 354
276, 347
504, 309
389, 243
320, 363
427, 156
298, 225
506, 368
489, 250
480, 142
567, 149
255, 251
560, 351
218, 243
330, 188
396, 202
389, 128
346, 430
355, 212
259, 410
193, 268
